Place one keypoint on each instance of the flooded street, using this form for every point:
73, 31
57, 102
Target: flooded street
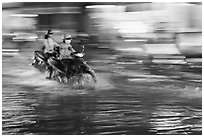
131, 97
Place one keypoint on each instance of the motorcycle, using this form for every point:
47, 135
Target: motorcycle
65, 70
39, 61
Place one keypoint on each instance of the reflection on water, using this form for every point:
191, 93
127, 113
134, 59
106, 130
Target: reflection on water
124, 101
175, 120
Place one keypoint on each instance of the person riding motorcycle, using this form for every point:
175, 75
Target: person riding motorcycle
65, 51
48, 50
66, 48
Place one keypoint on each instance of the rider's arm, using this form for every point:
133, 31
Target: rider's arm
71, 49
56, 44
43, 48
45, 43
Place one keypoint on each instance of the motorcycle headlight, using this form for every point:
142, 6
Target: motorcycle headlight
79, 55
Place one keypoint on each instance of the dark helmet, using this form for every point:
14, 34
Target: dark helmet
49, 32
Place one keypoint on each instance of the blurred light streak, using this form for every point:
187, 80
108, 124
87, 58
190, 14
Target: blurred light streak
33, 37
131, 49
168, 61
10, 50
132, 27
101, 6
136, 40
24, 15
9, 54
9, 34
169, 57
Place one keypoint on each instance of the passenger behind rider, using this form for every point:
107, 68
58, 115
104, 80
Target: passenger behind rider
48, 50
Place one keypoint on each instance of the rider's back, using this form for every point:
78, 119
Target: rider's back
49, 45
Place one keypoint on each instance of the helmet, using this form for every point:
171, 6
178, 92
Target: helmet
67, 37
49, 32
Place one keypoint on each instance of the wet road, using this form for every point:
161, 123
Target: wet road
131, 97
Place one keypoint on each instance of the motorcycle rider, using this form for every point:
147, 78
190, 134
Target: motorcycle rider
65, 52
66, 48
48, 50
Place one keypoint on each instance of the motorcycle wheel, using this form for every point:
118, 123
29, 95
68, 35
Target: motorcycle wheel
81, 81
86, 80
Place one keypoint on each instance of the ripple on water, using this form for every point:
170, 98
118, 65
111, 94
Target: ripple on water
173, 120
100, 111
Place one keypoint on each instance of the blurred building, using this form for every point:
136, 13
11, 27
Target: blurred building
87, 16
126, 24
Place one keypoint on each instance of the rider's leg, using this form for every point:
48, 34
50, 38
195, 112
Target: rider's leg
50, 72
48, 55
